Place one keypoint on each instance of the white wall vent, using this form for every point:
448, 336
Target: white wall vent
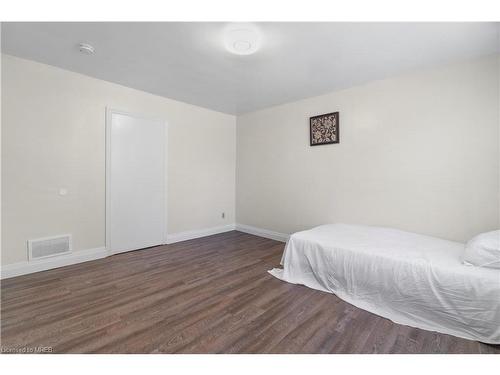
49, 247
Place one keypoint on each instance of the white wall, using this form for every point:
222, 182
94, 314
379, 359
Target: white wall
418, 152
53, 127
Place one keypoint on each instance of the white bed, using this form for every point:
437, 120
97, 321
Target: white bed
411, 279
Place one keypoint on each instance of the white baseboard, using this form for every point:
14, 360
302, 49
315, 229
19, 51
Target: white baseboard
262, 232
23, 268
197, 233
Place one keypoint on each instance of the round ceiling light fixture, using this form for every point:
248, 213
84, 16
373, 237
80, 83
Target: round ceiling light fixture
242, 39
86, 49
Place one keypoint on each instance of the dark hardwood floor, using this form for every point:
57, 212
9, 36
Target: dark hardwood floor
209, 295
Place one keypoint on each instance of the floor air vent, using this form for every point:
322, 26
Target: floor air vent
49, 247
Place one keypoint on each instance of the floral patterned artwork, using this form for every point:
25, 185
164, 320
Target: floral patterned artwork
324, 129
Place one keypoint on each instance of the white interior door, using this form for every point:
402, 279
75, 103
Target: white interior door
135, 176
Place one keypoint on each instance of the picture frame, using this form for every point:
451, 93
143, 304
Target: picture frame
324, 129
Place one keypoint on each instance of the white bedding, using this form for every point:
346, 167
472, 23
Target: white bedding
411, 279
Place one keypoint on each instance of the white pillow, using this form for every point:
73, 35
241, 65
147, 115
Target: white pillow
484, 250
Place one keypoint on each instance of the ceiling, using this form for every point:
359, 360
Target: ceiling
188, 62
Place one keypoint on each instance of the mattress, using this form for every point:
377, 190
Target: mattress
411, 279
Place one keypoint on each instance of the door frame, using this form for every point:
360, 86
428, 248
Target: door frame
109, 113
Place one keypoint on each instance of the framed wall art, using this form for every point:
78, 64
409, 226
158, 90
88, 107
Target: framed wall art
324, 129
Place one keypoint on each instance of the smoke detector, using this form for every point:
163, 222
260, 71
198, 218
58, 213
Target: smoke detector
242, 39
86, 49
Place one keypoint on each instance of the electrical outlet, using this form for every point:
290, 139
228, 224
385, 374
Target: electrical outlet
223, 215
